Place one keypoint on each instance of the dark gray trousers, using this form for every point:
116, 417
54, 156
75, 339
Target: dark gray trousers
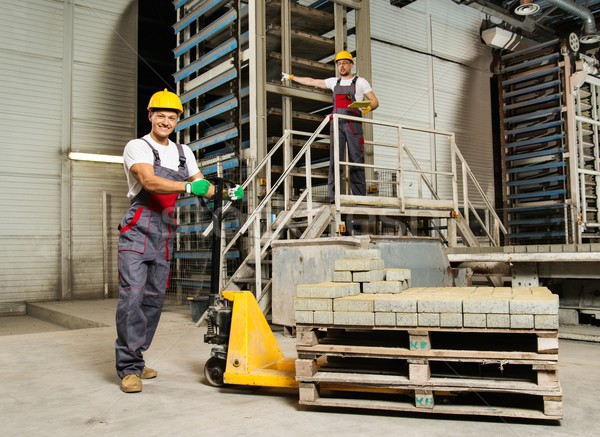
351, 135
144, 260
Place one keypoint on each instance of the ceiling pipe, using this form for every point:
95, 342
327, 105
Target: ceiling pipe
590, 34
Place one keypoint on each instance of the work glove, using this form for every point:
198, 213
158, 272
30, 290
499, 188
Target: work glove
285, 76
199, 187
366, 110
235, 193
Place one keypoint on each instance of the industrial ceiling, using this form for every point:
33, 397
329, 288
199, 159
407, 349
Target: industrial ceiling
541, 20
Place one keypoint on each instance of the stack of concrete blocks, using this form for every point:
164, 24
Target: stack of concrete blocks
364, 293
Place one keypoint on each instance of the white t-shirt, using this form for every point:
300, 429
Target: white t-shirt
137, 151
362, 86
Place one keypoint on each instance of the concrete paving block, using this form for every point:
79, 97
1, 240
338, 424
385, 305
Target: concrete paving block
362, 254
540, 291
384, 287
397, 275
323, 317
343, 276
353, 319
568, 316
309, 304
334, 289
406, 319
428, 319
358, 265
304, 290
534, 305
358, 303
368, 276
394, 303
486, 305
304, 317
439, 304
483, 291
521, 291
498, 321
545, 321
474, 320
502, 293
385, 319
522, 321
451, 320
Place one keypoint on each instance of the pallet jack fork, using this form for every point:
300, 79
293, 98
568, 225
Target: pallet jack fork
245, 351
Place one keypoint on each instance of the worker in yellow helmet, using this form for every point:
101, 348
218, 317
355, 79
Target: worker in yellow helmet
157, 171
347, 88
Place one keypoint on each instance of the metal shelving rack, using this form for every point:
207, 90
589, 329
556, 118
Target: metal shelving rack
551, 157
229, 55
536, 192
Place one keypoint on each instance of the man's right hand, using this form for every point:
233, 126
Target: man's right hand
285, 76
199, 187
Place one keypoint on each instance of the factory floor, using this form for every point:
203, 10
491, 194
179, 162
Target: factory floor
60, 381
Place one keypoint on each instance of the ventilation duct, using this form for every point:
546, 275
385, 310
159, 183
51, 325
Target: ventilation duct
590, 34
503, 39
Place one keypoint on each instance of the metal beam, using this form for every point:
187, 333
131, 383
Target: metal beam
354, 4
65, 291
298, 92
258, 95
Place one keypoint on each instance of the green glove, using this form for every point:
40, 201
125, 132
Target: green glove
199, 187
235, 193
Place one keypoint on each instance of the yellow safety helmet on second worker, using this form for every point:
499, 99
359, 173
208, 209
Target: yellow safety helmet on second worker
343, 55
165, 100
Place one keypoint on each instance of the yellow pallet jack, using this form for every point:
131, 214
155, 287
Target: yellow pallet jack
245, 351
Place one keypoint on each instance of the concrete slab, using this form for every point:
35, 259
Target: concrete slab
14, 325
64, 383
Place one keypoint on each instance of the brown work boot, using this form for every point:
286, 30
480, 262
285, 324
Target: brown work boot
131, 383
148, 373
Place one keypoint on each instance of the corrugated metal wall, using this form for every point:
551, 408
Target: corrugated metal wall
431, 69
68, 79
104, 106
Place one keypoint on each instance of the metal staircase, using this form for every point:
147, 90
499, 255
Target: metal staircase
300, 201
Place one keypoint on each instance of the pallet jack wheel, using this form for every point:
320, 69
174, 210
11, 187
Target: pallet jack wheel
214, 369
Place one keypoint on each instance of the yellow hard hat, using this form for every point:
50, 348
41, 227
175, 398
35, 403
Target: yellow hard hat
343, 55
165, 100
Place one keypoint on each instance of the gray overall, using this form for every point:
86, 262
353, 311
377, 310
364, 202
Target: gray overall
145, 251
350, 133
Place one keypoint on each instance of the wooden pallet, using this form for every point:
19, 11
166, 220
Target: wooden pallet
513, 378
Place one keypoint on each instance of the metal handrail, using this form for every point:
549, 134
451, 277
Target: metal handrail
492, 226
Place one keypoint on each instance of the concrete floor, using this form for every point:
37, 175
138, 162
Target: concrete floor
56, 381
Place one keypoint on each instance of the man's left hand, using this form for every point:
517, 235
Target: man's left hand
235, 193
